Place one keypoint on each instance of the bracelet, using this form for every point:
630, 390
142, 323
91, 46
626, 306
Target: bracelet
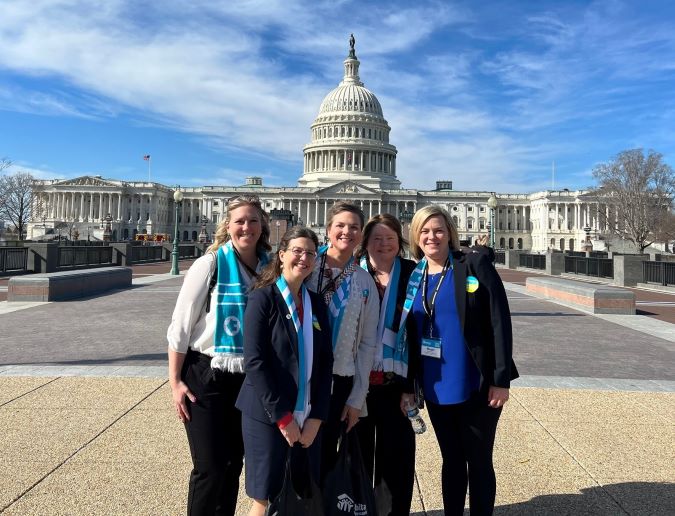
285, 421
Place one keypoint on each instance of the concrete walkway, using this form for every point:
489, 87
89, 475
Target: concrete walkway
86, 425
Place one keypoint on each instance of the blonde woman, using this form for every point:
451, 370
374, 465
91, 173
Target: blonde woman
206, 353
459, 327
354, 310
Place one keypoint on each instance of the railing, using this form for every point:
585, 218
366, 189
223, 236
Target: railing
74, 256
13, 259
186, 251
598, 267
533, 261
593, 254
147, 253
662, 273
500, 257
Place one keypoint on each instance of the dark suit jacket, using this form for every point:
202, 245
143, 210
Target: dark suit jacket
485, 320
271, 358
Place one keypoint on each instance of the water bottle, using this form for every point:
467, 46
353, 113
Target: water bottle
418, 425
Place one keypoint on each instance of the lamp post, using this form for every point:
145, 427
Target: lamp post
277, 224
177, 200
492, 204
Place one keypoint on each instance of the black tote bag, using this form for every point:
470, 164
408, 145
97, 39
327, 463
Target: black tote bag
348, 488
299, 496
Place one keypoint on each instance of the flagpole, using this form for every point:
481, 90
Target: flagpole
149, 176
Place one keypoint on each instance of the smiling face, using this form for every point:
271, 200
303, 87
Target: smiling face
345, 232
297, 260
383, 243
245, 227
435, 239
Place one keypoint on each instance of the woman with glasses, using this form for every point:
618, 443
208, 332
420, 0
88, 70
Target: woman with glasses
386, 436
288, 365
206, 353
353, 311
459, 329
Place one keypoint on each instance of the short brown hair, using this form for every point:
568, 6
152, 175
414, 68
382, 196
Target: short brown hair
341, 206
386, 220
420, 218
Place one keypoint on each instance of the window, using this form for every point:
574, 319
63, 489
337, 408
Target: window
470, 208
482, 209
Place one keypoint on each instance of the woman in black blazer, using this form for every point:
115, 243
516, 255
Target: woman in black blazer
288, 361
459, 329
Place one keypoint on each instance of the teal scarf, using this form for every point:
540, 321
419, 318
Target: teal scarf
231, 291
305, 333
389, 357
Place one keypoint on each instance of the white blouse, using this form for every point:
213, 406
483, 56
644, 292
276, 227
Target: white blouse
191, 327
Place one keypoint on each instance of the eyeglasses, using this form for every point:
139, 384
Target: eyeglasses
299, 251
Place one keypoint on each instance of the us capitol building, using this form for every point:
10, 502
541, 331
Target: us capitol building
349, 157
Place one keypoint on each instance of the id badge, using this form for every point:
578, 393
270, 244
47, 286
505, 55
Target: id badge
431, 347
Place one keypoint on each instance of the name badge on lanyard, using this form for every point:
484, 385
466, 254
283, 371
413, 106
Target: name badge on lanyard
431, 347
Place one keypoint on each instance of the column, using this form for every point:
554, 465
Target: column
316, 211
307, 219
119, 206
370, 210
379, 206
325, 212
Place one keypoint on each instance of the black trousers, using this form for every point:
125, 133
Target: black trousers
388, 445
466, 436
342, 388
214, 435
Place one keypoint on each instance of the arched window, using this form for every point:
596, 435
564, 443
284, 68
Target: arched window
562, 244
520, 243
194, 236
571, 244
185, 236
502, 242
510, 243
553, 243
349, 132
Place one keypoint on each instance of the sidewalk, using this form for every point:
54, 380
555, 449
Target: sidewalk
86, 425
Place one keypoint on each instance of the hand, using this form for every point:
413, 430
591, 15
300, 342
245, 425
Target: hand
406, 397
497, 396
179, 391
351, 415
309, 431
482, 240
291, 433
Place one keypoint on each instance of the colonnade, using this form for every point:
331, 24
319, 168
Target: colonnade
350, 160
94, 206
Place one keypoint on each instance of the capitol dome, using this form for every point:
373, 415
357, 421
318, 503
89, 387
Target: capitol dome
350, 137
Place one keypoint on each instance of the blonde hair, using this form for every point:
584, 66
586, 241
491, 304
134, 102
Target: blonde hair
420, 219
222, 236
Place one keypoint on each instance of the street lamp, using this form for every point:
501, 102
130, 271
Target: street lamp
492, 204
177, 200
277, 224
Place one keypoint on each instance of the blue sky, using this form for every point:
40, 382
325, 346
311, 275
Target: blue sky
486, 94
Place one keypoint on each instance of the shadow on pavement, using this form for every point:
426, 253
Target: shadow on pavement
611, 499
544, 314
101, 361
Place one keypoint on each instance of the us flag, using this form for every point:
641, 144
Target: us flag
146, 157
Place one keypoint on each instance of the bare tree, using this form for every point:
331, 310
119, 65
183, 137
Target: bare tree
16, 196
640, 189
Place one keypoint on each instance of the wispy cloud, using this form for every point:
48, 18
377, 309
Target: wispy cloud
481, 96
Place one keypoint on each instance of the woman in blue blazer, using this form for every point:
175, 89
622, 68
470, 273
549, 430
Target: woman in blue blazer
288, 361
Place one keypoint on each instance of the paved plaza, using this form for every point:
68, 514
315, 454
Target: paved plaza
87, 427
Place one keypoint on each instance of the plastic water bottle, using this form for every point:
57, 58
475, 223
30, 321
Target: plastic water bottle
418, 424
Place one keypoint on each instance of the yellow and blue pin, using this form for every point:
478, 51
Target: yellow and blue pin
471, 284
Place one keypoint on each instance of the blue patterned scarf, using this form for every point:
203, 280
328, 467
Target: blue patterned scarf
305, 333
388, 356
340, 298
231, 291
